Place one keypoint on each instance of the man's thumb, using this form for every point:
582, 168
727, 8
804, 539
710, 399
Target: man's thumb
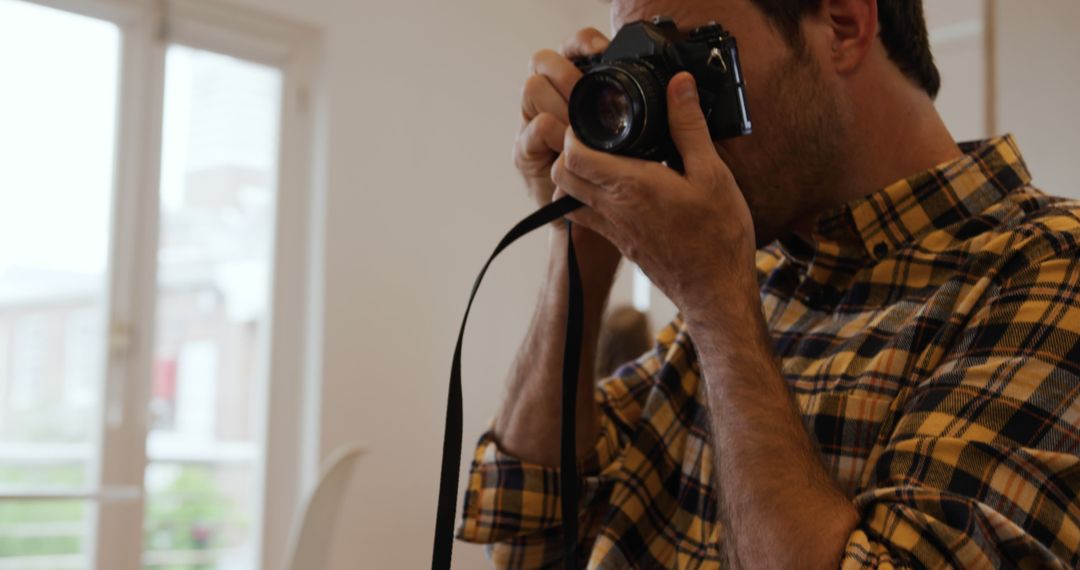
687, 122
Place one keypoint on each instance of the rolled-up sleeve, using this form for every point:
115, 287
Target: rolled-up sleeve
515, 506
507, 497
982, 469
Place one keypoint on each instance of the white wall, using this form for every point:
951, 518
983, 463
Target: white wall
1037, 84
1032, 93
958, 40
422, 106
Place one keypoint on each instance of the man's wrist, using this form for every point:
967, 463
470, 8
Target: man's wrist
731, 306
598, 261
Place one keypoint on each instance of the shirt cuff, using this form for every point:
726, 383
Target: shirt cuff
508, 498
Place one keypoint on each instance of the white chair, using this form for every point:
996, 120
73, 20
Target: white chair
313, 529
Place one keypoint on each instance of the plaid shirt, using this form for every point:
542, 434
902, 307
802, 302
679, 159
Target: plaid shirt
931, 337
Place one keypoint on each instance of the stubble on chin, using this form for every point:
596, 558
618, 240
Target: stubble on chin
789, 168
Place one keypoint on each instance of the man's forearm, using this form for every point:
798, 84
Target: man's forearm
528, 423
781, 508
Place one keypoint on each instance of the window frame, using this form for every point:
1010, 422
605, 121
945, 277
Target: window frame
289, 441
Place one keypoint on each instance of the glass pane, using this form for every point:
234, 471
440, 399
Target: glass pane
218, 193
200, 515
57, 120
43, 534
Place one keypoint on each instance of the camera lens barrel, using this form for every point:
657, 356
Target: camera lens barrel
620, 107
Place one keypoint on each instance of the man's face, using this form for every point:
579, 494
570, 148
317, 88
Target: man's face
786, 166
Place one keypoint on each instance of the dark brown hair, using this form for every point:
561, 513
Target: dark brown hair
902, 29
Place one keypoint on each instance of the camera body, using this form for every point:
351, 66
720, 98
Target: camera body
620, 104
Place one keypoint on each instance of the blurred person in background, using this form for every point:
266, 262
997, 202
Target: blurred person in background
625, 335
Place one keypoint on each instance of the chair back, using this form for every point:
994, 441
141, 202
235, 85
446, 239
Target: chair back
313, 529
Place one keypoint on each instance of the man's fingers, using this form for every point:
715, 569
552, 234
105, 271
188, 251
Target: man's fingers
586, 42
587, 218
595, 166
585, 191
540, 141
687, 124
553, 75
562, 73
541, 96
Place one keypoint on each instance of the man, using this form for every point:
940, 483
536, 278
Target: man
877, 358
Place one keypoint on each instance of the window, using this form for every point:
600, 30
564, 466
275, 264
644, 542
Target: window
218, 191
54, 243
146, 181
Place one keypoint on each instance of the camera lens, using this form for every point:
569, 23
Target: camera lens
613, 111
619, 107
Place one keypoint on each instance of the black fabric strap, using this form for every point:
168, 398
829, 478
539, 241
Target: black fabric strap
569, 483
568, 477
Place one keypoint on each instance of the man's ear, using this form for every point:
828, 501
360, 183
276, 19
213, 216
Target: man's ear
854, 26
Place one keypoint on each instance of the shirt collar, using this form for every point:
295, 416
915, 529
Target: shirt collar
876, 225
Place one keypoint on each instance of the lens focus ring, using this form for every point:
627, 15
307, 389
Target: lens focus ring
620, 108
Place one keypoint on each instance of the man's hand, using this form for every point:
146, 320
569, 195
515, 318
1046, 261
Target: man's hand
545, 121
691, 234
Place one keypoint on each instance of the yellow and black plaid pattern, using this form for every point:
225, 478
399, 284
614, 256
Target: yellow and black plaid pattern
931, 336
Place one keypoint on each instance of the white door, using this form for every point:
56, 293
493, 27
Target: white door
152, 158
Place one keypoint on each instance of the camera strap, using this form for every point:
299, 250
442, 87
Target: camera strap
452, 436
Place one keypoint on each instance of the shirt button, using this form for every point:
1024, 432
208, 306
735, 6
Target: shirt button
880, 250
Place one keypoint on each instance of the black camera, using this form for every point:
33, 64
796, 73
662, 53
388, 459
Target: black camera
620, 104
